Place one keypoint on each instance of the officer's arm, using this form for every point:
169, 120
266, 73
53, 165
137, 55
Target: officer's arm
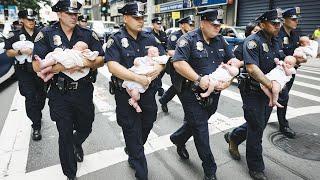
184, 69
98, 62
170, 53
12, 53
255, 72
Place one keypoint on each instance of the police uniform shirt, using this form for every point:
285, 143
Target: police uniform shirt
288, 42
203, 58
19, 35
122, 48
172, 40
162, 37
259, 51
53, 37
238, 52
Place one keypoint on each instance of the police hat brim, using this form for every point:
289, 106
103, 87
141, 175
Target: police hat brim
71, 10
275, 20
216, 22
137, 14
30, 17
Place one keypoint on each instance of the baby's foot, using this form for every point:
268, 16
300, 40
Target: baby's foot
278, 104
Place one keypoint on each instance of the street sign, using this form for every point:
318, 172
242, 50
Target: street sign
175, 15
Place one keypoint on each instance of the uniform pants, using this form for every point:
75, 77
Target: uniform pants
72, 110
168, 95
196, 124
283, 100
256, 113
33, 89
136, 126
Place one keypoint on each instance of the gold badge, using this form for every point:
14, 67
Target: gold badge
285, 40
251, 44
265, 47
74, 4
95, 36
124, 42
173, 38
109, 43
199, 46
38, 37
182, 42
22, 37
57, 40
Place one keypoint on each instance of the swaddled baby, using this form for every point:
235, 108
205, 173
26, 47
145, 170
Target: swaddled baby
308, 48
19, 45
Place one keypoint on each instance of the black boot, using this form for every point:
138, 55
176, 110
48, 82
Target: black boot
256, 175
181, 150
78, 152
233, 147
36, 135
288, 132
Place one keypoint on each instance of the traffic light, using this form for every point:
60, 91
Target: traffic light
104, 8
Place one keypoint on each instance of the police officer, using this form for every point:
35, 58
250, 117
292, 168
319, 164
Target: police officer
122, 48
70, 102
161, 37
30, 86
83, 21
259, 51
198, 54
186, 24
289, 39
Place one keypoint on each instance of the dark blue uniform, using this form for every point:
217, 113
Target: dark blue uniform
204, 59
122, 48
30, 85
289, 43
70, 102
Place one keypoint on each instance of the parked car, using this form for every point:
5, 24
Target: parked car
103, 29
233, 34
6, 63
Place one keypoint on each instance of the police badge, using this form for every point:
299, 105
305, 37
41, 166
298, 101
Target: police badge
124, 42
22, 37
285, 40
110, 42
199, 46
173, 38
265, 47
57, 40
251, 44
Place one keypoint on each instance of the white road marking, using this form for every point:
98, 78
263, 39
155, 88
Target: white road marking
309, 71
308, 77
15, 138
307, 85
309, 68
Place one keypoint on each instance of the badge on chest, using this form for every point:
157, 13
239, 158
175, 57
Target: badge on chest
57, 40
285, 40
124, 42
265, 47
22, 37
199, 46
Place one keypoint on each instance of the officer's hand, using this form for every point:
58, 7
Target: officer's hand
26, 51
204, 82
144, 80
75, 69
223, 85
87, 63
157, 68
300, 59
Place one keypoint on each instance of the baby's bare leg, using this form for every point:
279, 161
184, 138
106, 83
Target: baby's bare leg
268, 93
135, 96
209, 90
276, 88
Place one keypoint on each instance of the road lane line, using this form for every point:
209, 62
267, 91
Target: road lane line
308, 77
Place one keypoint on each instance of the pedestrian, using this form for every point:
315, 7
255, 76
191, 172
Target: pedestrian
30, 86
186, 24
258, 53
122, 48
161, 37
316, 37
199, 53
70, 102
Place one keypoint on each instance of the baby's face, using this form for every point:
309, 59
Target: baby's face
153, 52
305, 41
290, 61
80, 46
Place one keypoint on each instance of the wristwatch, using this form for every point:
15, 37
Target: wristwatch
197, 82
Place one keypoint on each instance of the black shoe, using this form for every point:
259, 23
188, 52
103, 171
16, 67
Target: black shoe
36, 135
131, 165
212, 177
233, 147
73, 178
126, 150
160, 92
164, 106
78, 152
181, 150
258, 175
288, 132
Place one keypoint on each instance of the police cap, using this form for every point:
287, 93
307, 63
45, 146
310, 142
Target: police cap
157, 20
293, 13
135, 9
28, 13
213, 15
83, 18
68, 6
189, 19
273, 15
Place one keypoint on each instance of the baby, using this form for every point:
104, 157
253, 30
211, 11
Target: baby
279, 76
19, 45
223, 73
308, 48
70, 58
142, 65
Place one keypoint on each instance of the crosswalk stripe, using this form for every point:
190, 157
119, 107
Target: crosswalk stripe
305, 95
307, 85
308, 77
309, 68
308, 71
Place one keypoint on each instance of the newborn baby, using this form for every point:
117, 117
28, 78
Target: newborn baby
142, 65
70, 58
308, 48
224, 73
279, 76
19, 45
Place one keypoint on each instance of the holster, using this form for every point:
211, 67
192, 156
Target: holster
115, 84
247, 84
204, 102
27, 66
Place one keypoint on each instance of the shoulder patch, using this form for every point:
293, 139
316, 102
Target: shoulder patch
95, 36
251, 44
182, 42
109, 43
39, 37
173, 37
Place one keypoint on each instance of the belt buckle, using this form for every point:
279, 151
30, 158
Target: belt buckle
73, 86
